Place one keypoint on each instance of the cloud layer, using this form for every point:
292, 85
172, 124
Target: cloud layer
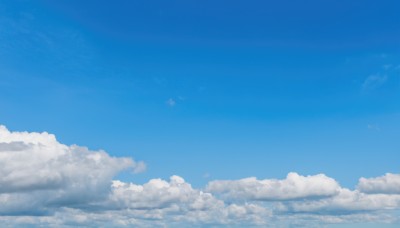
46, 183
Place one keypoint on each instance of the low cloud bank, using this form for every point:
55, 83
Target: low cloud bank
46, 183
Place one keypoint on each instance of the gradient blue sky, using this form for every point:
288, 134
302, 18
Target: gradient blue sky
210, 89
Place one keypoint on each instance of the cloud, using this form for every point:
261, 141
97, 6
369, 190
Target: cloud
387, 66
346, 202
387, 184
293, 187
139, 167
46, 183
374, 127
374, 81
176, 200
36, 170
171, 102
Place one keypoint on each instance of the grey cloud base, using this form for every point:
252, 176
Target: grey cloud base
46, 183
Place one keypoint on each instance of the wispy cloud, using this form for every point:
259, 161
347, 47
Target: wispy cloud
374, 127
160, 81
46, 183
387, 66
171, 102
374, 81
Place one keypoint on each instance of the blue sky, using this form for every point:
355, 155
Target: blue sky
210, 89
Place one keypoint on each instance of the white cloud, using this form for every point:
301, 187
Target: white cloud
387, 66
387, 184
139, 167
345, 202
171, 102
177, 201
36, 164
374, 81
158, 193
374, 127
46, 183
293, 187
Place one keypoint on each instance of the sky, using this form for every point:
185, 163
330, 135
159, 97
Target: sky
239, 104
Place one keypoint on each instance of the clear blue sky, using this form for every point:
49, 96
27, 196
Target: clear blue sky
210, 89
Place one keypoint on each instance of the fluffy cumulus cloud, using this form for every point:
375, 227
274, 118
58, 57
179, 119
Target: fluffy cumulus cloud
293, 187
36, 171
176, 201
389, 183
46, 183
